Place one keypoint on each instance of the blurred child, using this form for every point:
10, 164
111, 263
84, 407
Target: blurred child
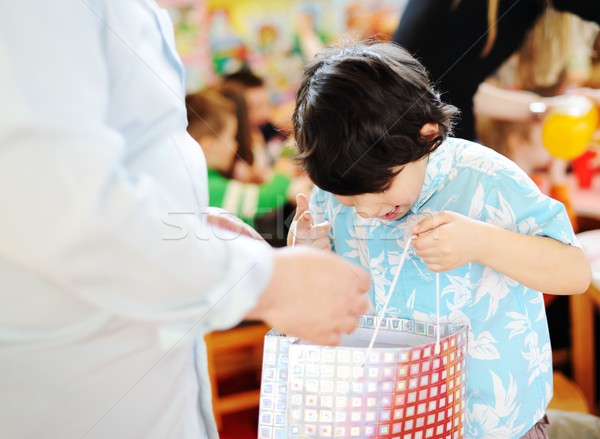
243, 165
266, 139
213, 123
372, 135
260, 109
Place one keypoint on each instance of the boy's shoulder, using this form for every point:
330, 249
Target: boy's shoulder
470, 161
466, 154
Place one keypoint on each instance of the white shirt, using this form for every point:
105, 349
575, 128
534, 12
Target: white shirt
105, 262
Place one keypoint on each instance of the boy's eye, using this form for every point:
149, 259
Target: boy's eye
389, 184
384, 189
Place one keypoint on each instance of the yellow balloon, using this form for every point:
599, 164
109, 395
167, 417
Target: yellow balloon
567, 131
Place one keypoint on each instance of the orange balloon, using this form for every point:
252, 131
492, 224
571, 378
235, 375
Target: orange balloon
568, 130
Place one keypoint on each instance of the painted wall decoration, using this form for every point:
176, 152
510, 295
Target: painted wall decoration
190, 24
218, 37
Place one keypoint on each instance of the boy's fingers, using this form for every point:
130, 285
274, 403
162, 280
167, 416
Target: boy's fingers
304, 222
311, 232
424, 225
322, 244
425, 240
433, 221
321, 229
301, 205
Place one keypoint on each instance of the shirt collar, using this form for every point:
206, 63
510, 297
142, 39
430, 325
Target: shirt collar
439, 164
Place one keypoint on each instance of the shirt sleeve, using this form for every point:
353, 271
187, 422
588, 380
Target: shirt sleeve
514, 202
73, 215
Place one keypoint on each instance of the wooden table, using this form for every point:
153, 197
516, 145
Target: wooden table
585, 201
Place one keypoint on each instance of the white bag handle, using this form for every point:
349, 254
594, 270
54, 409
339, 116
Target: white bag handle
389, 296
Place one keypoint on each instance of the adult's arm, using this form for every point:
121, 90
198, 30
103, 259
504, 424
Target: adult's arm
418, 18
498, 103
73, 216
586, 9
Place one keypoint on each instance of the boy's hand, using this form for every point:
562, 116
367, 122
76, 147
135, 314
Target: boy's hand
303, 230
447, 240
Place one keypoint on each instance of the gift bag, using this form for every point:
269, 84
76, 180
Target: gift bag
404, 389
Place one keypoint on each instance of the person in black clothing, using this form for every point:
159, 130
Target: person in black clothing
462, 42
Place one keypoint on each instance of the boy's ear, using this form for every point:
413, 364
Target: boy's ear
429, 131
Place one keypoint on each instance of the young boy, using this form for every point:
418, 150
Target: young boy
372, 134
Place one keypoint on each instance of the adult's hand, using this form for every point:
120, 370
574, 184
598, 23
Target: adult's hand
226, 220
313, 295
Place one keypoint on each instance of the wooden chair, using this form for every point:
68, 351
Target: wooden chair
231, 353
583, 307
567, 395
579, 394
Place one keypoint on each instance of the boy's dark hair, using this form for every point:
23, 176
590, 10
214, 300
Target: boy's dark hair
245, 78
358, 113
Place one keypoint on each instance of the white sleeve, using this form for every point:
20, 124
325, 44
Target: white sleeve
72, 214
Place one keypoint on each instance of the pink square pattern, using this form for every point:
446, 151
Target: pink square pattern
407, 393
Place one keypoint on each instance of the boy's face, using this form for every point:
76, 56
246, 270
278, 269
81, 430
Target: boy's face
395, 202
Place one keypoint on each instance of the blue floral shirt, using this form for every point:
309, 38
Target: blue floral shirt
509, 379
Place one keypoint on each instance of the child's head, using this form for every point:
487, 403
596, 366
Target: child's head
235, 93
256, 95
519, 141
212, 122
363, 114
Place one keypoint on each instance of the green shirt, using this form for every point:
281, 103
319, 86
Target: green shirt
247, 200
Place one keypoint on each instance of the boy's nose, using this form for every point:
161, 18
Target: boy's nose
346, 201
362, 209
365, 211
365, 214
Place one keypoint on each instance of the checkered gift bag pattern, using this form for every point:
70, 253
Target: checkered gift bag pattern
405, 390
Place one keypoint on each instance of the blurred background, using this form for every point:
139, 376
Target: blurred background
218, 37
